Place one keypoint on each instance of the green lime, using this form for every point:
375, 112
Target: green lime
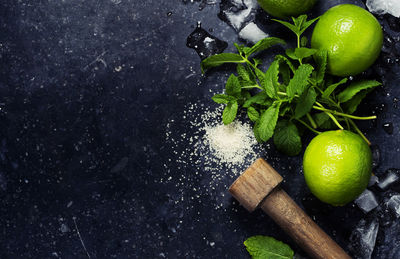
286, 8
351, 35
337, 166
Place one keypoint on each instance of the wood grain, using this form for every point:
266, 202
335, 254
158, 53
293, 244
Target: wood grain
251, 188
259, 186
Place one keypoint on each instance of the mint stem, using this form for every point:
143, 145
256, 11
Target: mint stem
334, 120
359, 132
252, 86
313, 124
344, 114
309, 127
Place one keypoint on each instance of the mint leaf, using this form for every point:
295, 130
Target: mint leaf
300, 53
321, 58
271, 79
259, 98
351, 105
307, 24
285, 107
323, 121
284, 71
305, 103
286, 60
287, 138
303, 41
290, 26
265, 126
264, 44
253, 114
266, 82
229, 113
257, 62
332, 88
222, 98
232, 86
240, 48
264, 247
356, 87
220, 59
290, 53
244, 75
299, 21
299, 82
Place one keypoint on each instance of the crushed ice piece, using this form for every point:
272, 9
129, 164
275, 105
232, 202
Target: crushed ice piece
389, 240
237, 12
252, 33
366, 201
373, 180
204, 43
384, 6
392, 176
393, 205
363, 238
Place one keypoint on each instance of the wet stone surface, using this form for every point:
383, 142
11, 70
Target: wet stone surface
96, 103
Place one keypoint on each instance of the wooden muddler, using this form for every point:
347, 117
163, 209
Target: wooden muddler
259, 187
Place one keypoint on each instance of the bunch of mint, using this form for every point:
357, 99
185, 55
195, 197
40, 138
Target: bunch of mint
293, 94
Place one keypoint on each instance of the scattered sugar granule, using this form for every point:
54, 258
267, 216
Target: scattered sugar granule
230, 143
202, 147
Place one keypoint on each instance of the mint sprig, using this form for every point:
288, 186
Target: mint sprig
292, 94
264, 247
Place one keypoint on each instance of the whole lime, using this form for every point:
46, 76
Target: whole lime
337, 166
286, 8
351, 35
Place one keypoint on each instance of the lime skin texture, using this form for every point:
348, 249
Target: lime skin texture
337, 166
352, 36
286, 8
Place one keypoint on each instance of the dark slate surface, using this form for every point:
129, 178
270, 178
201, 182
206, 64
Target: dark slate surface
87, 88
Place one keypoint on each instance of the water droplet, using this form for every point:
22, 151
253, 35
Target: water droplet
395, 102
388, 127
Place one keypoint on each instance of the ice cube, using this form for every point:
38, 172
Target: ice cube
392, 176
373, 180
237, 13
204, 43
363, 238
252, 33
393, 205
366, 201
384, 6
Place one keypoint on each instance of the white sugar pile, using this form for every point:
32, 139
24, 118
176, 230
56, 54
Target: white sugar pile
216, 146
230, 143
384, 6
208, 156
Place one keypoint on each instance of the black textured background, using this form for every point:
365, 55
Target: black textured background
87, 88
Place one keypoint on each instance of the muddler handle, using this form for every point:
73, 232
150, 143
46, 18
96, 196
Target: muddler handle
259, 187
